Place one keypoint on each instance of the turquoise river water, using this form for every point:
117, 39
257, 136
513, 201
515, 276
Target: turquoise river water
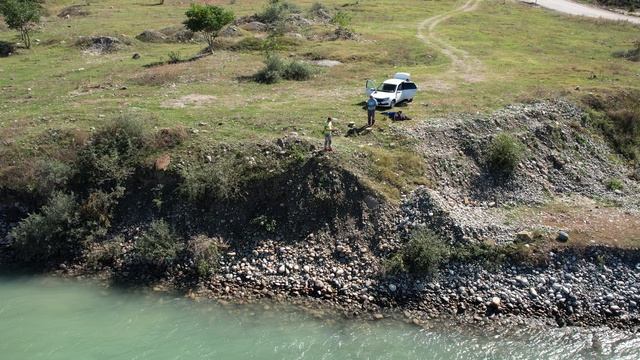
45, 318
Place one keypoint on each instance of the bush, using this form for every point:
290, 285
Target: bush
632, 55
422, 255
203, 253
220, 180
277, 11
157, 247
318, 8
174, 57
276, 69
505, 153
297, 70
51, 175
617, 117
50, 235
342, 19
96, 211
170, 137
614, 184
272, 72
112, 154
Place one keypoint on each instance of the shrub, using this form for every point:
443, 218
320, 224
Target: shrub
341, 19
219, 180
505, 153
157, 247
265, 223
424, 253
248, 44
318, 9
203, 254
632, 54
111, 155
170, 137
277, 11
272, 72
276, 69
51, 175
297, 70
174, 57
96, 211
617, 117
614, 184
50, 235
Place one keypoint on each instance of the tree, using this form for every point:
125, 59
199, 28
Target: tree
209, 19
21, 15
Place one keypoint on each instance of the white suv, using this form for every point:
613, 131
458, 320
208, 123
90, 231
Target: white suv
392, 91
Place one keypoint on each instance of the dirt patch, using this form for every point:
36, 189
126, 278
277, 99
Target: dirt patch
194, 100
587, 222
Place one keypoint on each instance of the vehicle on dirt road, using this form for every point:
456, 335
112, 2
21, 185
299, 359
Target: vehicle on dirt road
392, 91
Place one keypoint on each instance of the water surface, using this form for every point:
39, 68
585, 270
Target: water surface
44, 318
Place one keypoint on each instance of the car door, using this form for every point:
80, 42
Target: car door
410, 90
370, 87
400, 93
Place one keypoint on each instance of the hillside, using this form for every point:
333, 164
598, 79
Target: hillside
132, 153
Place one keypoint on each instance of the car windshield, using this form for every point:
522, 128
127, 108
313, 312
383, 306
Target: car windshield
387, 88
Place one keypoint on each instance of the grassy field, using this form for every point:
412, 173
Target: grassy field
523, 52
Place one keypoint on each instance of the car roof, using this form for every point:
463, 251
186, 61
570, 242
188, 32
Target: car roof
396, 81
393, 81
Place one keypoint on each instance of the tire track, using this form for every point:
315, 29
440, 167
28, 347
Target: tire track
464, 66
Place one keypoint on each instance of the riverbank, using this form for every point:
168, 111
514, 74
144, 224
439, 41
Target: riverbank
283, 221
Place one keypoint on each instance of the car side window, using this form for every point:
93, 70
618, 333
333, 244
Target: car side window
400, 87
410, 86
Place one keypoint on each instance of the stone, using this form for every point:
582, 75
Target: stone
152, 36
326, 63
393, 287
281, 269
371, 202
231, 31
254, 26
563, 236
522, 281
524, 237
495, 302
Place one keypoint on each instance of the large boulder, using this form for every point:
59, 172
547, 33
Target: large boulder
152, 36
254, 26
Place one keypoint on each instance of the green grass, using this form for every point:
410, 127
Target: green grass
525, 52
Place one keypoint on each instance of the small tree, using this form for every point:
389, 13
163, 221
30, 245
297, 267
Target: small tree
209, 19
21, 15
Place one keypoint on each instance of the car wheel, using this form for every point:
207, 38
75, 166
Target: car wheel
410, 100
393, 103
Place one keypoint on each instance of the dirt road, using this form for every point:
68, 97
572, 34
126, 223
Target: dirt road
572, 8
463, 65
